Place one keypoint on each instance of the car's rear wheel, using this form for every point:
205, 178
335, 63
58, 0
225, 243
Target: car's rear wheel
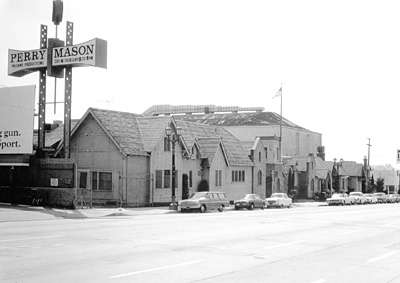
202, 209
289, 205
281, 206
251, 206
263, 206
221, 208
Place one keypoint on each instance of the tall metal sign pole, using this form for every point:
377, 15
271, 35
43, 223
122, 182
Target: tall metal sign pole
52, 58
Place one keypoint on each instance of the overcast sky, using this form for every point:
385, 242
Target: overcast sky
338, 61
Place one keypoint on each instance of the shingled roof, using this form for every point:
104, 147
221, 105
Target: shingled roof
235, 152
138, 135
239, 119
122, 128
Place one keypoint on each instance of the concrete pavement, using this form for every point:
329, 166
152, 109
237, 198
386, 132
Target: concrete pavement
13, 213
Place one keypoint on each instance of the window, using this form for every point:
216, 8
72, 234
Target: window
259, 156
259, 178
83, 180
218, 178
238, 176
266, 153
167, 179
101, 181
167, 144
190, 179
158, 179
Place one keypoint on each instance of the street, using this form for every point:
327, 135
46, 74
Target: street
359, 243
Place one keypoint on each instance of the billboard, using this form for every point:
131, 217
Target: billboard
17, 107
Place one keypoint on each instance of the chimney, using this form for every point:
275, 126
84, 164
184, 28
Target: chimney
321, 152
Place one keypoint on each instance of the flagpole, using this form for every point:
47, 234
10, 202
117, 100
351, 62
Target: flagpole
280, 130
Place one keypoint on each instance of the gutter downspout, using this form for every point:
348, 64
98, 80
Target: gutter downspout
126, 180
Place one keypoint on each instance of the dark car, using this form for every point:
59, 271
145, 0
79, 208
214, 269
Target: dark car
250, 201
203, 201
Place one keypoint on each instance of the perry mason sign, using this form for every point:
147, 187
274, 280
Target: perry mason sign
21, 63
90, 53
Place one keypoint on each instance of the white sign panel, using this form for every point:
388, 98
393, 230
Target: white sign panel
398, 156
90, 53
17, 105
21, 63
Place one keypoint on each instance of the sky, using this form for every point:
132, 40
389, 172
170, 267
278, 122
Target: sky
338, 61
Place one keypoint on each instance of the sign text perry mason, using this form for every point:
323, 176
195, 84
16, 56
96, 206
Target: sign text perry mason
90, 53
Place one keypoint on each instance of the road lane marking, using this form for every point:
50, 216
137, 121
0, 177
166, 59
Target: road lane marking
155, 269
382, 256
33, 238
283, 245
349, 232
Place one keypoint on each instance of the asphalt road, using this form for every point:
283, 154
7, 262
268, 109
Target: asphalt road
301, 244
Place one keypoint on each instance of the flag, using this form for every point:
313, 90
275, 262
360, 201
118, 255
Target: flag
279, 93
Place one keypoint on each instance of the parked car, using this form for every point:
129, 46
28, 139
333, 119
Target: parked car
203, 201
370, 198
340, 199
358, 197
250, 201
394, 198
278, 200
382, 197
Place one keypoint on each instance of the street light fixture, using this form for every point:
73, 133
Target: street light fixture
173, 138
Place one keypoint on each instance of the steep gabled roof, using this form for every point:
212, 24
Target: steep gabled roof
234, 150
151, 129
122, 127
323, 167
208, 147
239, 119
350, 168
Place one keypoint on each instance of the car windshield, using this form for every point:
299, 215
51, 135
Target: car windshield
337, 195
367, 195
248, 196
199, 195
277, 196
356, 194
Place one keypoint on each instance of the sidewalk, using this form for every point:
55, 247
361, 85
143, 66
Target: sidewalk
13, 213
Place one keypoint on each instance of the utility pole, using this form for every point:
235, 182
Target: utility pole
369, 146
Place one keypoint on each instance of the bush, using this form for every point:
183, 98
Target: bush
203, 186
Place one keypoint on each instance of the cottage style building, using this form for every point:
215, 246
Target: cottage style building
127, 158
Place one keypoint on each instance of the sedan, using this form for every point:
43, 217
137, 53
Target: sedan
358, 197
370, 198
250, 201
340, 199
278, 200
394, 198
382, 197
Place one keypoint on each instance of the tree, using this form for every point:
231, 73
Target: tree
371, 185
380, 184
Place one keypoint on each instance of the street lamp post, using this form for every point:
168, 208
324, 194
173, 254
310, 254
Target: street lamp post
173, 138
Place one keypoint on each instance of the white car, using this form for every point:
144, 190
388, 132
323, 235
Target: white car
358, 197
278, 200
340, 199
370, 198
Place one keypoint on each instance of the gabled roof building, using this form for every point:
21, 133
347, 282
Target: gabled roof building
126, 158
